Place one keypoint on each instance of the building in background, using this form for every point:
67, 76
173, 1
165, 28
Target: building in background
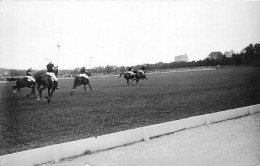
181, 58
229, 54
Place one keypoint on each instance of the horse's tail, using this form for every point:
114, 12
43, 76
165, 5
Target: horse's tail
121, 74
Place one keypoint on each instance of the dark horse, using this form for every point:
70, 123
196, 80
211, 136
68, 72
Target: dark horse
45, 81
80, 81
22, 83
127, 76
139, 76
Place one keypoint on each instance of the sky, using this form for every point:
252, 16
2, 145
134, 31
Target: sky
122, 33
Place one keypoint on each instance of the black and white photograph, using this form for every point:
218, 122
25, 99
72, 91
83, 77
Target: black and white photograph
129, 82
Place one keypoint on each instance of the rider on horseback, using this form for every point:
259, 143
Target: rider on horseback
130, 70
83, 73
50, 72
29, 75
142, 70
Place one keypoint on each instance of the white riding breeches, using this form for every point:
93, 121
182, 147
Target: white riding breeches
84, 75
142, 72
131, 72
31, 78
53, 76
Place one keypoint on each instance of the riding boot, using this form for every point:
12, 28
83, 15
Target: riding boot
56, 84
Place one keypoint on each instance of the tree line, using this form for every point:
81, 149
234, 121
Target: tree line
250, 55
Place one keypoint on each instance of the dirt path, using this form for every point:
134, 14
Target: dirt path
233, 142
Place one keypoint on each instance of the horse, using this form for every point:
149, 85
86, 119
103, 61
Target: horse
45, 81
127, 76
139, 75
81, 81
22, 83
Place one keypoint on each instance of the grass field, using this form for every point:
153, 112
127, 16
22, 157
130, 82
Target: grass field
112, 106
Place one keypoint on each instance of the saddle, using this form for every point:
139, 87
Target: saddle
28, 79
50, 77
141, 71
83, 78
80, 76
132, 73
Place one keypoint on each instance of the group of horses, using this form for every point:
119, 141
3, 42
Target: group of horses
138, 75
44, 81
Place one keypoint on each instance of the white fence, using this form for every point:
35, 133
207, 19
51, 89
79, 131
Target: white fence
57, 152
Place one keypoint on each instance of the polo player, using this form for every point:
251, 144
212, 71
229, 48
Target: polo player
131, 71
142, 70
29, 75
83, 73
50, 72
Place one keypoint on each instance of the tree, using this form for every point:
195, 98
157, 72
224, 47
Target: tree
7, 73
215, 55
75, 71
109, 69
257, 53
248, 54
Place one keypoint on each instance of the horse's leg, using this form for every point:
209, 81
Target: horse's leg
128, 82
33, 91
30, 93
40, 92
17, 85
52, 90
137, 81
49, 93
85, 88
14, 92
145, 77
19, 90
77, 82
41, 88
73, 89
90, 86
38, 88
